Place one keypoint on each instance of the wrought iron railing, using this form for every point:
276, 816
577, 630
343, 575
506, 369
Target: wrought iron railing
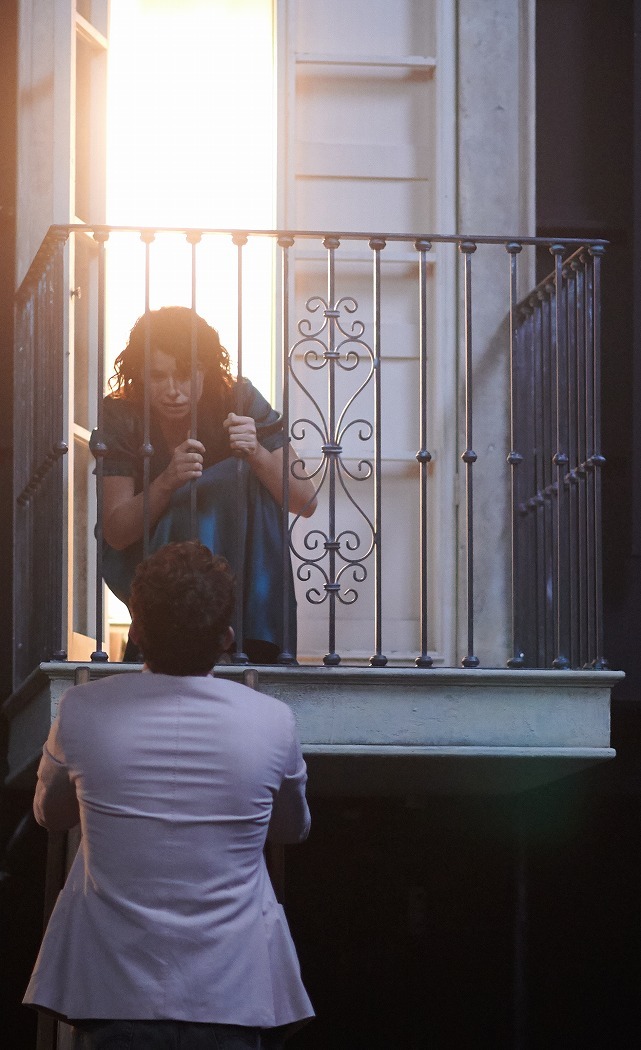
557, 462
550, 351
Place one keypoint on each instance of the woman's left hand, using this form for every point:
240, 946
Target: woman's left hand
242, 434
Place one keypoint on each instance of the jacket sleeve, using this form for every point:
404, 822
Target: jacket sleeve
290, 819
55, 805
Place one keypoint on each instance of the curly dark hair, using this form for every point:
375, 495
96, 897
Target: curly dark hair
182, 600
170, 331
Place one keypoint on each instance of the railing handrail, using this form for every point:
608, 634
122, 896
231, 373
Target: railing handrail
57, 232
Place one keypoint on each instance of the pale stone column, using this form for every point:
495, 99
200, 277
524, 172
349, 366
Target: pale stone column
496, 184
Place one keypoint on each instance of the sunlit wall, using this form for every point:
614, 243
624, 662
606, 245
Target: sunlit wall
191, 142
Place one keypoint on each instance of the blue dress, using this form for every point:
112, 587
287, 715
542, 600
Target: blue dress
245, 529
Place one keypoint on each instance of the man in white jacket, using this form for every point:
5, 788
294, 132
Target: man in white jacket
167, 933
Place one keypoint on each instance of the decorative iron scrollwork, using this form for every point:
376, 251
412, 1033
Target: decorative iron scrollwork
336, 557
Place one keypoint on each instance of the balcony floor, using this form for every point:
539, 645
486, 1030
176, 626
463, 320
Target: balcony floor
393, 731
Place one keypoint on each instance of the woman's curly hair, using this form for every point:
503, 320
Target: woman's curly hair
170, 330
182, 601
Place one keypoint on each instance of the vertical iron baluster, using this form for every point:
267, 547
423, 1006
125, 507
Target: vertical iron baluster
560, 460
581, 455
193, 238
514, 459
23, 529
571, 477
599, 663
285, 656
48, 383
40, 385
59, 449
469, 457
332, 450
378, 659
423, 455
38, 391
539, 482
590, 553
240, 657
101, 237
146, 450
549, 430
523, 625
524, 379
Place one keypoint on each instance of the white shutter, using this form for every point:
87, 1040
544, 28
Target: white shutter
366, 145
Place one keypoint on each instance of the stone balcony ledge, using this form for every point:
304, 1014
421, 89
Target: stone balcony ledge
398, 731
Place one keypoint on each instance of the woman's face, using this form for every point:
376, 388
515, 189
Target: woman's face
170, 387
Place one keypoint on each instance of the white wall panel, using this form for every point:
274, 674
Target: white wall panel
366, 27
366, 92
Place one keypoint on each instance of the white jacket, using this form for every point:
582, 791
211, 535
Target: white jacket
168, 911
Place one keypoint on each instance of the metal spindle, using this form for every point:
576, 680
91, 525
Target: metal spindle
599, 663
526, 481
146, 450
286, 656
581, 455
423, 455
332, 450
378, 659
46, 386
469, 457
560, 460
100, 448
538, 366
549, 443
571, 477
590, 552
240, 657
514, 459
193, 238
59, 450
36, 518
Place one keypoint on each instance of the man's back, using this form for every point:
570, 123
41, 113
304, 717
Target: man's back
168, 911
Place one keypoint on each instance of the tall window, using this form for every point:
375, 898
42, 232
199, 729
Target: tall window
191, 143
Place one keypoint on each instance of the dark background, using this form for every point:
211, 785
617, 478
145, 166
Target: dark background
459, 922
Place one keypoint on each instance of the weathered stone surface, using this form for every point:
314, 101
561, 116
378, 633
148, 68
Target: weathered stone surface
393, 730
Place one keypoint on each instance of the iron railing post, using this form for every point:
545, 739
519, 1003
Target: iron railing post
560, 460
377, 244
286, 656
469, 457
100, 448
514, 458
193, 238
423, 456
146, 450
240, 656
332, 450
597, 459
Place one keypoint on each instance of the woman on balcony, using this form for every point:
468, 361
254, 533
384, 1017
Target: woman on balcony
232, 424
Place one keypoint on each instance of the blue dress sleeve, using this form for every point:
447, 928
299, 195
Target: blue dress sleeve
269, 422
122, 434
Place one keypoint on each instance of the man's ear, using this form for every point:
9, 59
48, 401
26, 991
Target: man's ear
227, 639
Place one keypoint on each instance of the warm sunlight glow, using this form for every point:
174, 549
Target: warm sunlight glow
191, 142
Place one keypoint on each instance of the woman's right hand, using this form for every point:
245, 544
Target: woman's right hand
186, 464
